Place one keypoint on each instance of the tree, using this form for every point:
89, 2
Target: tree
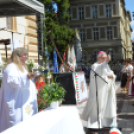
56, 24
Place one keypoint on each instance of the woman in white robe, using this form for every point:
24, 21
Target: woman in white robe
18, 94
131, 82
126, 73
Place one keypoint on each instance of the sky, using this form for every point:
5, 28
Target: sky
130, 7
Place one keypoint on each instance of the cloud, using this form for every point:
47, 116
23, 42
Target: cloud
133, 35
132, 23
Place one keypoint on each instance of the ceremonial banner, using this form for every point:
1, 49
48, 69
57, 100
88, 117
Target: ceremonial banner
62, 64
73, 58
55, 63
80, 87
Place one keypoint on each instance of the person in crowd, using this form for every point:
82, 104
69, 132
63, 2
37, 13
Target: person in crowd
79, 68
18, 94
123, 64
83, 68
124, 74
128, 66
51, 67
102, 106
113, 67
87, 71
117, 69
131, 82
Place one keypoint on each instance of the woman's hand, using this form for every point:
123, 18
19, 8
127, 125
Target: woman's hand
30, 76
37, 78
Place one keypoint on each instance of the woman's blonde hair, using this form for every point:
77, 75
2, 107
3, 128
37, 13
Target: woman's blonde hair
18, 52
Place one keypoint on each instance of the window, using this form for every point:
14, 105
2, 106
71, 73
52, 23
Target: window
84, 56
108, 10
109, 33
81, 13
82, 35
95, 34
95, 54
69, 12
74, 13
94, 12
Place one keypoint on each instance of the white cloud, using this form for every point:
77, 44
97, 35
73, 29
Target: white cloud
132, 23
133, 35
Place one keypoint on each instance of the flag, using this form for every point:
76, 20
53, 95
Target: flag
72, 55
64, 57
69, 60
55, 63
78, 48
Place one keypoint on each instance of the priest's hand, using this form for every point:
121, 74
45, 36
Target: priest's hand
110, 76
108, 58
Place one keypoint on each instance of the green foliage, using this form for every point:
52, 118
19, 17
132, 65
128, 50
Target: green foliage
30, 64
56, 24
50, 92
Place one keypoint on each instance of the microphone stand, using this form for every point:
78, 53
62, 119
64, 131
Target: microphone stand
97, 99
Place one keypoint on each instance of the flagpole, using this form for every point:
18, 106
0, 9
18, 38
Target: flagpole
58, 52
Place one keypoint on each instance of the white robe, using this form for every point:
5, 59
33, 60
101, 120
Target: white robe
127, 69
18, 97
130, 89
106, 97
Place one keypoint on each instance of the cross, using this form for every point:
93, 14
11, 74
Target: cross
28, 109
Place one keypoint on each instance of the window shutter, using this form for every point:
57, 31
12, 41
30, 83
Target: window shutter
89, 33
114, 9
102, 33
74, 13
101, 10
88, 14
115, 32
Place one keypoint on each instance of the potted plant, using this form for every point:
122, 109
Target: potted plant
51, 94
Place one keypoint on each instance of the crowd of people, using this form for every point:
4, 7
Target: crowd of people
117, 67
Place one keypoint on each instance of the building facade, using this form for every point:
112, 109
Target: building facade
104, 25
24, 35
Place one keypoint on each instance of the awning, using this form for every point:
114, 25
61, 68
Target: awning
20, 7
10, 8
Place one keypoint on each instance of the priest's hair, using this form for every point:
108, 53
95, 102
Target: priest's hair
18, 52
